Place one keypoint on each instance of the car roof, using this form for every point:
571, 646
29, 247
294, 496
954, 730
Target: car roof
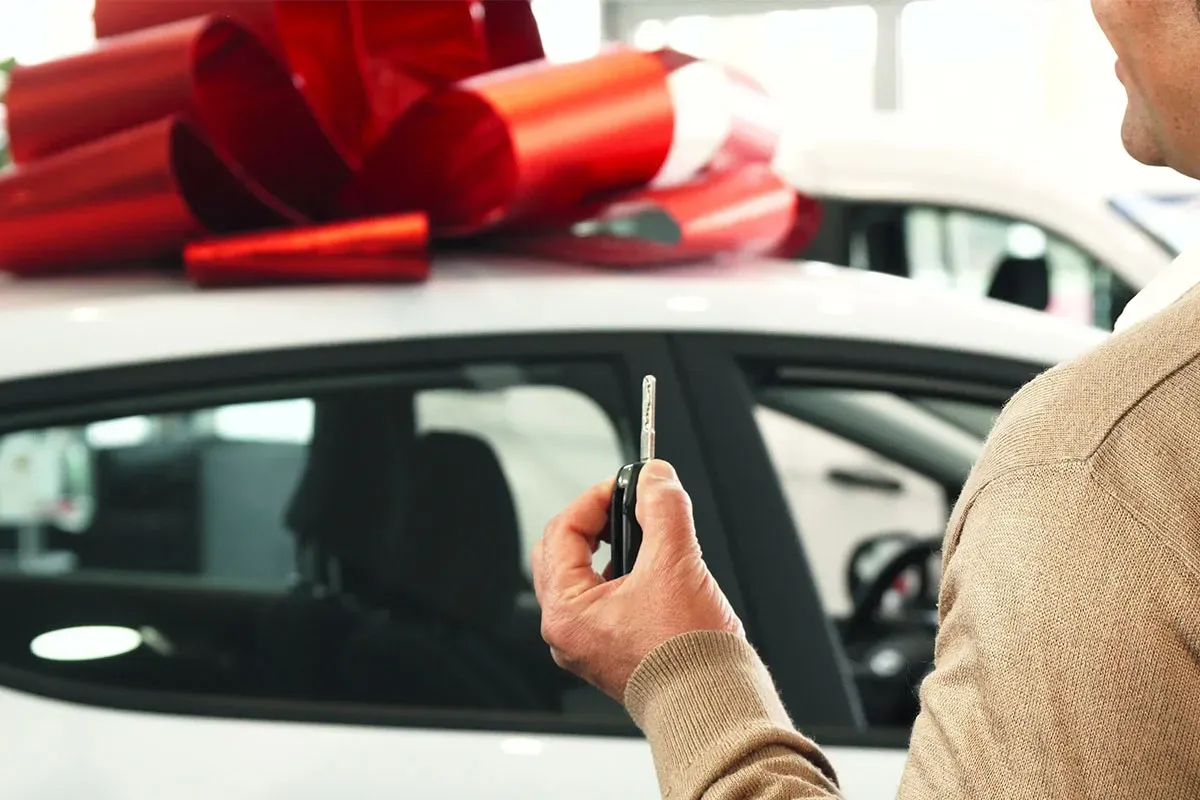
57, 325
908, 156
1059, 178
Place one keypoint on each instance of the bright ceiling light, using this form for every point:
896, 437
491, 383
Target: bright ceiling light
1026, 241
123, 432
85, 643
571, 29
650, 34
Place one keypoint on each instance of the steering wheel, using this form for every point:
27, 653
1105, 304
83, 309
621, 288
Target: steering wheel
890, 660
868, 597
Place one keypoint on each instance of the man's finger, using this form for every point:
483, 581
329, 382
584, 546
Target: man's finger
664, 509
536, 561
570, 541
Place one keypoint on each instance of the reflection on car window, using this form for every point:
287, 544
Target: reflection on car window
367, 545
869, 477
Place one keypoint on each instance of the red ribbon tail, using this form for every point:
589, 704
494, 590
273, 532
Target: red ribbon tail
381, 249
745, 211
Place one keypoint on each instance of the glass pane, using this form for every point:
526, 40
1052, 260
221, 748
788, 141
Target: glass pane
977, 245
965, 250
869, 477
368, 545
927, 258
833, 516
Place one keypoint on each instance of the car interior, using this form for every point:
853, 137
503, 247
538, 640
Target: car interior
330, 567
876, 236
298, 571
892, 575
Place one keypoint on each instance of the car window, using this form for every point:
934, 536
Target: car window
840, 493
869, 475
362, 545
985, 255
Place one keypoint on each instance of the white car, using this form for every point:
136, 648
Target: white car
1043, 218
273, 542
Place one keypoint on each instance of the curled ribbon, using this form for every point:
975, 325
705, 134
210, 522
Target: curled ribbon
333, 139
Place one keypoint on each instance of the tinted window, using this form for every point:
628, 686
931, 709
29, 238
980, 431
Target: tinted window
368, 545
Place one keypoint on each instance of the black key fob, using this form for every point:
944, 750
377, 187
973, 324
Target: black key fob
625, 534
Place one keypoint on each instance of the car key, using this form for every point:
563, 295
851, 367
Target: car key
625, 534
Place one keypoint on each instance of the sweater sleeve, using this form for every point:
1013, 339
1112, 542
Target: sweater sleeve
1067, 666
1066, 663
716, 726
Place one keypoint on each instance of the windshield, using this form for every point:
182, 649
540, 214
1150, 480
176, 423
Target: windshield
1172, 220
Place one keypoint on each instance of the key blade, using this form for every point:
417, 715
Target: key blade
649, 387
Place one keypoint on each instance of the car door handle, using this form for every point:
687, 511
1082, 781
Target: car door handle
857, 478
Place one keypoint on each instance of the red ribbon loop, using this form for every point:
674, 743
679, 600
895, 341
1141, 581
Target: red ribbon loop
326, 139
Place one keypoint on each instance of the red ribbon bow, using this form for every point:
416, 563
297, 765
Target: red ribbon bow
330, 139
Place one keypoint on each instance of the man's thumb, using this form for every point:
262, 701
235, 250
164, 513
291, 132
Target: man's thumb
664, 509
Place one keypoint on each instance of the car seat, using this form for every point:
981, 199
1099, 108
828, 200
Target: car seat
449, 584
1022, 281
887, 246
351, 496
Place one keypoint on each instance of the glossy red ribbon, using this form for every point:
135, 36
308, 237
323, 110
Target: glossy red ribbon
328, 139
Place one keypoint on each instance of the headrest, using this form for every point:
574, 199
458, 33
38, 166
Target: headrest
887, 247
459, 557
1023, 281
353, 493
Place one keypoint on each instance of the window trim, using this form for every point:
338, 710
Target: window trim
742, 469
164, 386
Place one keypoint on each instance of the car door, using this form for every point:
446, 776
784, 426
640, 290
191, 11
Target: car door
825, 454
305, 573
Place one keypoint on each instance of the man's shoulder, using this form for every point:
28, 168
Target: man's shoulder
1137, 392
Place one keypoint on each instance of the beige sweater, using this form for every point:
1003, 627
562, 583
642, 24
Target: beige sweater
1068, 658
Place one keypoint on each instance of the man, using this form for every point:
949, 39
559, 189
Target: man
1068, 658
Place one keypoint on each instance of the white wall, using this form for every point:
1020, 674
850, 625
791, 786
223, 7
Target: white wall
997, 62
1000, 61
39, 30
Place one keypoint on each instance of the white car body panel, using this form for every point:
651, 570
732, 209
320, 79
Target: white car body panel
89, 323
1054, 179
65, 750
191, 758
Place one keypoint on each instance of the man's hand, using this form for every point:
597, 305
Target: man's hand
599, 629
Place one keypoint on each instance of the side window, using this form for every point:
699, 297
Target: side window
552, 443
869, 478
363, 545
841, 494
986, 255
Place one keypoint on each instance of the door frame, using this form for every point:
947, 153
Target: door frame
799, 643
